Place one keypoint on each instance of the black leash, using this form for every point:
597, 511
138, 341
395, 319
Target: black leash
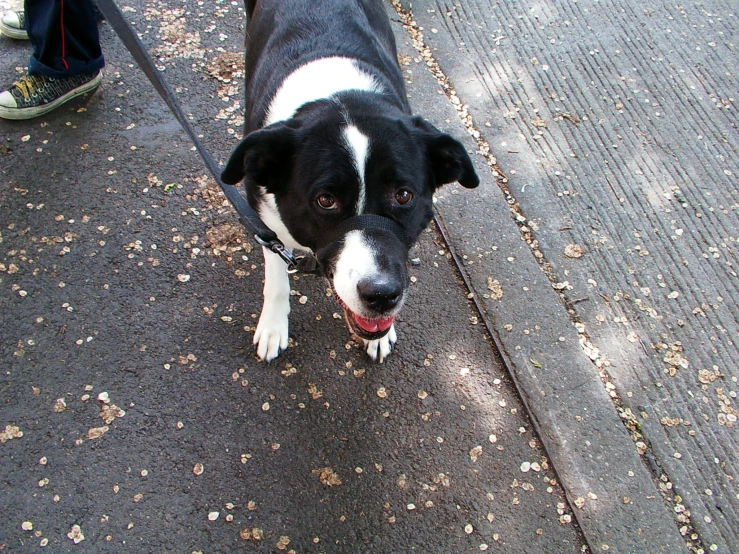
248, 217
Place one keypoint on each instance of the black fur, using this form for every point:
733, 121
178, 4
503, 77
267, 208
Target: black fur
282, 35
303, 158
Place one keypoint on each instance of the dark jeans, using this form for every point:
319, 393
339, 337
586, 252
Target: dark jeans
64, 35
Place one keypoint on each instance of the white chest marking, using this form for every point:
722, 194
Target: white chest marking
358, 145
271, 216
315, 80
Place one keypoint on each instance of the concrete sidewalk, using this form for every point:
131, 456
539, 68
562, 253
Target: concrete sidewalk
562, 381
613, 132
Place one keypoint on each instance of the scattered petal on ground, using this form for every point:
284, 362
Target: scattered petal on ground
327, 476
75, 533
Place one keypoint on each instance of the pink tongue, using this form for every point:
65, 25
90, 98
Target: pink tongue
374, 325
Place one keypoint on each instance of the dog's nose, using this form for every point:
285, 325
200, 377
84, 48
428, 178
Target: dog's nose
380, 295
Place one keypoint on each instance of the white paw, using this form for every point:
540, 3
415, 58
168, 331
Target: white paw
379, 349
271, 335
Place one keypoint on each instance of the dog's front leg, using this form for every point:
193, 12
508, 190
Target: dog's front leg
272, 329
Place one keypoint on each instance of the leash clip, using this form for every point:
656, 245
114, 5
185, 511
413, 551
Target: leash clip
278, 248
295, 264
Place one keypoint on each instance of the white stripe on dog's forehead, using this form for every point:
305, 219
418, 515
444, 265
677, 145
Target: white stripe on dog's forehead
358, 144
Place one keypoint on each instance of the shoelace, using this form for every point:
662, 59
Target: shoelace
21, 19
28, 85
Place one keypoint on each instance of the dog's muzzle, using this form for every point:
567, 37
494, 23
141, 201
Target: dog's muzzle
380, 293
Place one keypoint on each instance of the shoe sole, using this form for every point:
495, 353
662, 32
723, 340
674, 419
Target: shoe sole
12, 32
29, 113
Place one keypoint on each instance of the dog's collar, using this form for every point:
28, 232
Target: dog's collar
310, 264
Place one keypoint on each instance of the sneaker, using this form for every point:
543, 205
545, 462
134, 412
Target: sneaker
35, 95
13, 25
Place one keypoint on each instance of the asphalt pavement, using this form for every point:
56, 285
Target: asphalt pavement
562, 381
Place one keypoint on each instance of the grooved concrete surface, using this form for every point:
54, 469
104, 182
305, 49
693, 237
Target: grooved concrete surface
615, 123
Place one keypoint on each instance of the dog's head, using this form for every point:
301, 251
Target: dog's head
334, 161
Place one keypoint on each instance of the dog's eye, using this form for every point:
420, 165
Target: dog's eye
403, 196
326, 201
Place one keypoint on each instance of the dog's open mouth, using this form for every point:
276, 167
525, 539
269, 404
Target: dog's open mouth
364, 327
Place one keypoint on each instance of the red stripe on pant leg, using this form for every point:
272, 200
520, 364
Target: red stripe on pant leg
64, 52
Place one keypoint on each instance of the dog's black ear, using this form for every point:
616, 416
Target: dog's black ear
448, 159
264, 156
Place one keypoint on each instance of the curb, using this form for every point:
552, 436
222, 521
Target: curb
611, 491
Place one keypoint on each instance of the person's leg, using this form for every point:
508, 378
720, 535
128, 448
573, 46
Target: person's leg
66, 59
64, 35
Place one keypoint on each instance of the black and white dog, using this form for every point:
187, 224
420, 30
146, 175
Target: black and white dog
329, 139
